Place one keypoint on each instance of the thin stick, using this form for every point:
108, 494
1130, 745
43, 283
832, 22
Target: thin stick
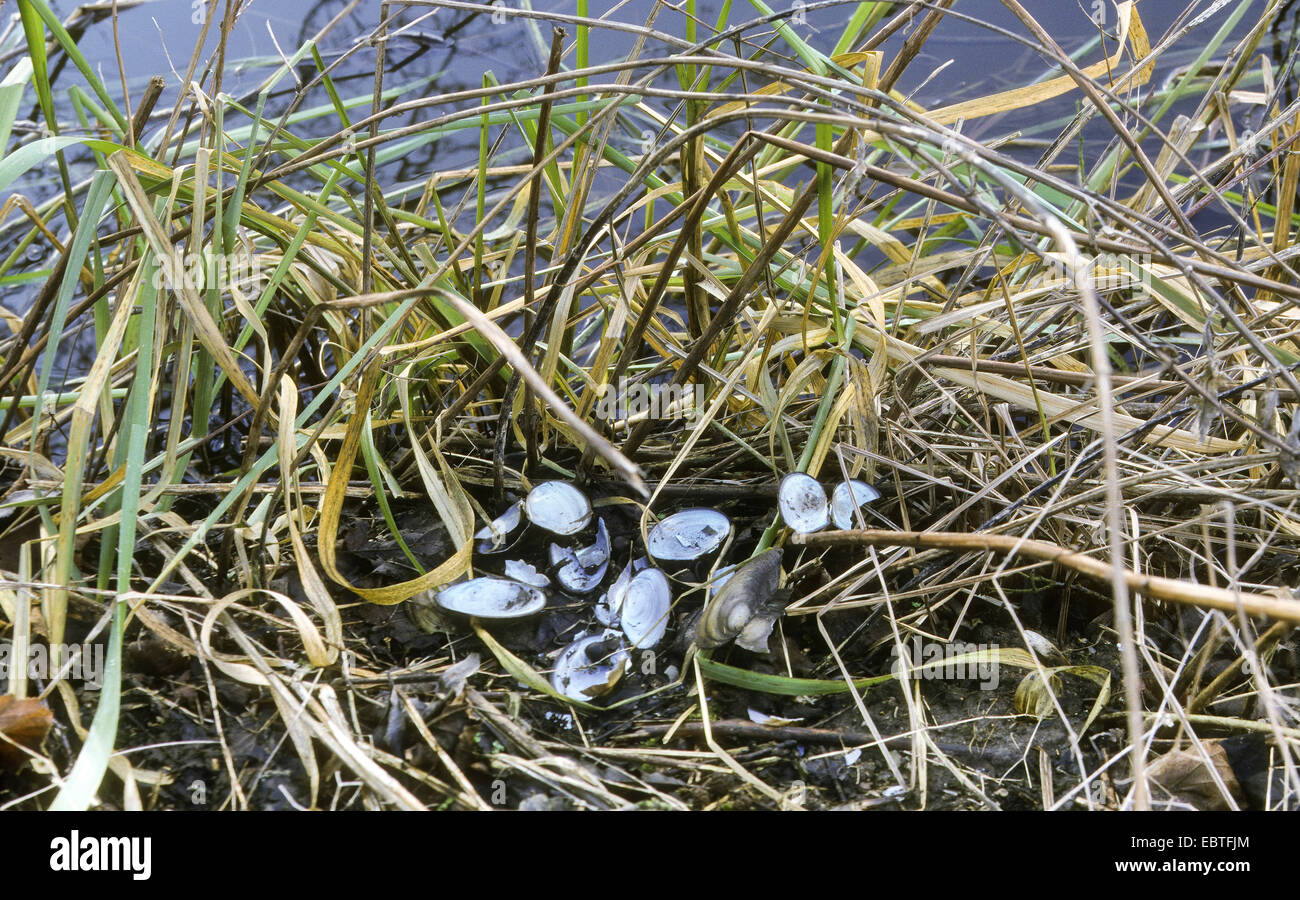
1157, 587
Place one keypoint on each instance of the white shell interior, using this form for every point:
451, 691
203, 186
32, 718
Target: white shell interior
610, 604
582, 572
688, 535
803, 503
847, 497
492, 598
645, 608
558, 507
495, 536
579, 677
518, 570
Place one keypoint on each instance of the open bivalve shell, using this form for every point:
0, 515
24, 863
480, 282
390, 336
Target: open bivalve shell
688, 535
488, 597
847, 498
745, 608
802, 502
558, 507
591, 666
644, 612
581, 572
501, 533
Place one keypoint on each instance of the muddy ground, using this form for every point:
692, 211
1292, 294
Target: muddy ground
817, 752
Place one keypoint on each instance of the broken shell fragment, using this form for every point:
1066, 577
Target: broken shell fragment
558, 507
748, 595
610, 604
489, 597
754, 635
581, 572
847, 498
591, 666
518, 570
644, 613
720, 578
688, 535
802, 502
605, 614
502, 532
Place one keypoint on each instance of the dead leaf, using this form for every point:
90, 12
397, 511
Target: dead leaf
24, 723
1033, 697
1185, 775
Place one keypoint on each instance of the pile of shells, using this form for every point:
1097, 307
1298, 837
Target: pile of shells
555, 522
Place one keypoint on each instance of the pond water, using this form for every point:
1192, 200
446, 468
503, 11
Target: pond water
973, 52
159, 36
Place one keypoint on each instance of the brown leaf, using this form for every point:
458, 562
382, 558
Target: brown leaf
22, 722
1184, 774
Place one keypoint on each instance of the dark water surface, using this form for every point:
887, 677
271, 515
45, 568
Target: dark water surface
459, 47
441, 50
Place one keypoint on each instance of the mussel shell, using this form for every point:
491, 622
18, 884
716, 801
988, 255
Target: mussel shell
644, 613
847, 497
489, 597
688, 535
501, 533
558, 507
757, 630
591, 666
749, 588
610, 604
802, 502
581, 572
